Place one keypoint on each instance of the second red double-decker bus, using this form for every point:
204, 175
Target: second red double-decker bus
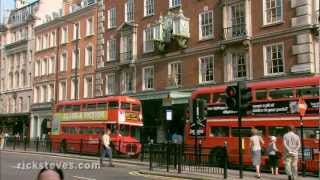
77, 125
274, 108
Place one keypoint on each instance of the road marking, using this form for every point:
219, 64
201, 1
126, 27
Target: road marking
79, 177
136, 173
71, 158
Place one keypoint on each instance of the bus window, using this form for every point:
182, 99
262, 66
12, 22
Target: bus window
76, 108
113, 105
124, 130
68, 109
73, 130
308, 132
91, 107
65, 130
308, 91
281, 93
102, 106
261, 95
112, 128
98, 130
245, 132
125, 106
278, 131
83, 130
135, 132
90, 131
261, 130
219, 131
136, 107
204, 96
218, 98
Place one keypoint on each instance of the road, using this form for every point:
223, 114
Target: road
23, 166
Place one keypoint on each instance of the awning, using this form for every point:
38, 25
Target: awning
172, 97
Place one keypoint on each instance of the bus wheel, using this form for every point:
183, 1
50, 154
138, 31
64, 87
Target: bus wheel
216, 157
63, 146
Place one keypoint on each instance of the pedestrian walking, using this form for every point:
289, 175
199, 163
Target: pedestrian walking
106, 149
273, 153
291, 142
255, 146
2, 137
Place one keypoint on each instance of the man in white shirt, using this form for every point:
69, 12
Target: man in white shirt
291, 142
106, 149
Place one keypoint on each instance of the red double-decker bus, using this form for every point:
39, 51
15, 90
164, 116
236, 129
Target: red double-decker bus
77, 125
274, 108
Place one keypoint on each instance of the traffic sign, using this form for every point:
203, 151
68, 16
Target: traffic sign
302, 107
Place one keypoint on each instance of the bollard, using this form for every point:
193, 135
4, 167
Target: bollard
37, 145
142, 152
168, 156
150, 157
14, 143
179, 157
81, 146
25, 144
225, 168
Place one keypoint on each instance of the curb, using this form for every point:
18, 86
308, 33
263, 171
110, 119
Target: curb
76, 156
181, 176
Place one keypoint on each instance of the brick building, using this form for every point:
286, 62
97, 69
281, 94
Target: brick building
16, 72
64, 63
163, 49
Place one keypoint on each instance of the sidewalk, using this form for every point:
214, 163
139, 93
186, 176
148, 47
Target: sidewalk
144, 169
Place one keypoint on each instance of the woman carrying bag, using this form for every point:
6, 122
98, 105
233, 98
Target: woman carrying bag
273, 154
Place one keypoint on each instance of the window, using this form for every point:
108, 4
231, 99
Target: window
20, 104
129, 10
53, 39
52, 65
76, 31
44, 94
75, 83
238, 20
63, 62
102, 106
113, 105
278, 131
91, 107
281, 93
127, 81
89, 56
219, 131
239, 66
62, 90
126, 52
112, 21
174, 3
206, 65
136, 107
308, 91
272, 11
274, 60
111, 49
88, 87
175, 74
148, 78
125, 106
261, 94
89, 27
64, 33
148, 7
50, 92
148, 45
44, 67
110, 83
206, 25
75, 59
38, 95
245, 131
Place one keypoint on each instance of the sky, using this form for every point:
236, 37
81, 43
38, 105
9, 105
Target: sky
5, 4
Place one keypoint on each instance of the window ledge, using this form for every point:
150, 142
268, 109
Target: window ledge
274, 75
206, 39
89, 35
148, 15
174, 7
207, 83
273, 24
148, 90
111, 28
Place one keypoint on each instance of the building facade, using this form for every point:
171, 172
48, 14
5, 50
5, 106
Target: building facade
64, 62
17, 53
160, 50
